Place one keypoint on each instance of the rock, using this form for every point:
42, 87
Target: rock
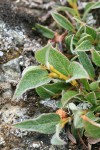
35, 145
31, 45
1, 53
2, 141
11, 38
36, 8
49, 103
17, 149
10, 72
6, 92
13, 114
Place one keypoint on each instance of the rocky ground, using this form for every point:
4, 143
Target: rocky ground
18, 44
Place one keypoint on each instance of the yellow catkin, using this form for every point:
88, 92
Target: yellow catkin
53, 75
74, 83
59, 75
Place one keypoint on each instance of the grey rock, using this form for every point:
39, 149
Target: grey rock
31, 45
12, 114
35, 145
2, 141
10, 72
17, 149
11, 38
5, 92
1, 53
49, 103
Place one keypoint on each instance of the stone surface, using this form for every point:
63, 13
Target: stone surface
10, 72
6, 92
12, 114
2, 142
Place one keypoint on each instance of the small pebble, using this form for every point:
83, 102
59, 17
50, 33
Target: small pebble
1, 53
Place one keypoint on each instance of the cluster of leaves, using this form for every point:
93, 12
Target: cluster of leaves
75, 79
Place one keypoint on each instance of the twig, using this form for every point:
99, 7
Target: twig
81, 140
71, 18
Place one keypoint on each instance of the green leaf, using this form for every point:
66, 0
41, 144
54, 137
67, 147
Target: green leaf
72, 106
96, 57
84, 46
45, 123
86, 63
80, 30
49, 55
92, 128
77, 72
91, 98
89, 7
78, 20
91, 116
77, 119
33, 77
98, 29
97, 109
97, 95
85, 84
71, 41
56, 140
68, 96
68, 9
63, 22
92, 32
85, 37
95, 85
53, 89
71, 45
68, 40
45, 31
75, 132
97, 46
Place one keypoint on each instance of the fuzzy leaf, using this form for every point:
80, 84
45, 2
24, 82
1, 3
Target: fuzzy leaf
97, 46
95, 85
86, 63
91, 31
85, 37
96, 57
71, 45
84, 46
77, 119
72, 106
91, 116
45, 123
53, 89
97, 109
45, 31
91, 98
79, 20
50, 55
56, 140
68, 96
68, 40
77, 72
97, 95
92, 128
33, 77
68, 9
85, 83
63, 22
80, 30
89, 7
